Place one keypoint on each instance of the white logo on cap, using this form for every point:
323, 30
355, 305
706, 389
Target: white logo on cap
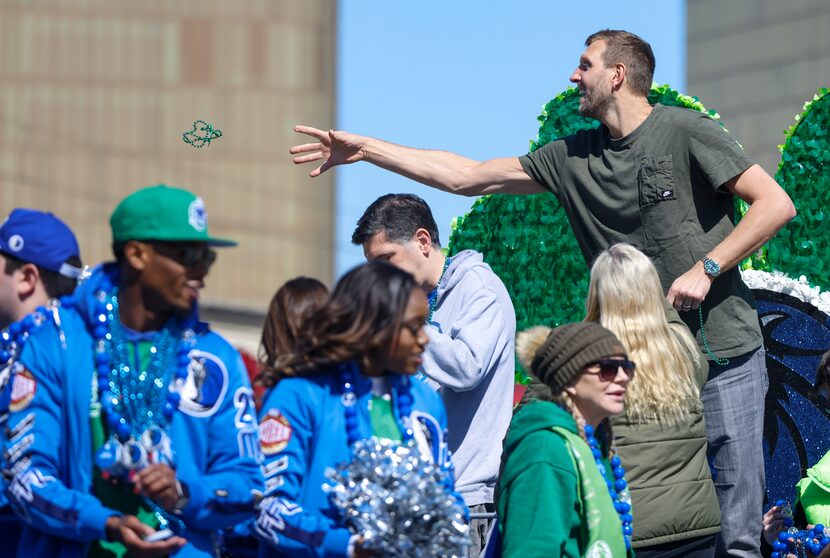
197, 215
15, 243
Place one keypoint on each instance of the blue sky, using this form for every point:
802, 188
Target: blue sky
467, 76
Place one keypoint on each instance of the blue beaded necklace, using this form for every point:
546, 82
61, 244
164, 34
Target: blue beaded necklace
138, 408
798, 542
348, 373
617, 489
13, 338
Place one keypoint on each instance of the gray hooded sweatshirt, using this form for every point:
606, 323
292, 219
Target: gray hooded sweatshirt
470, 359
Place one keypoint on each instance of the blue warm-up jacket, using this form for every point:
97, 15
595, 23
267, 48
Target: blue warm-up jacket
302, 433
213, 434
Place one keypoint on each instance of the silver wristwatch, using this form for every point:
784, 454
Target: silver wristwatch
711, 267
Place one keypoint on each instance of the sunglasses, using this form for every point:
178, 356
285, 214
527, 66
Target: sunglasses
189, 255
608, 368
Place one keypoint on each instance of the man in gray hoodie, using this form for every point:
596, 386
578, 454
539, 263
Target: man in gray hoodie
472, 330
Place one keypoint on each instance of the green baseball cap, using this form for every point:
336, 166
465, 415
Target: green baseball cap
163, 213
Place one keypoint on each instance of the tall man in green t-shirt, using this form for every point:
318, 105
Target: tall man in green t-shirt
662, 179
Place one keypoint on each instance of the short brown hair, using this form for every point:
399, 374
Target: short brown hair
629, 49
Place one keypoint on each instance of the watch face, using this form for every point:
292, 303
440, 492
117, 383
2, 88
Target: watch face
710, 266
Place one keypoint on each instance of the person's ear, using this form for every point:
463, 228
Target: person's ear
28, 277
424, 241
570, 389
619, 75
137, 255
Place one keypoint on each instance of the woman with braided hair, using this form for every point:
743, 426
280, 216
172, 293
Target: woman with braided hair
561, 488
661, 436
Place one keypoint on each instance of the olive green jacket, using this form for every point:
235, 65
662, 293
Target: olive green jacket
672, 493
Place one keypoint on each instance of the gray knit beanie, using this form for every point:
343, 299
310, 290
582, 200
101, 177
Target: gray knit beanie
565, 351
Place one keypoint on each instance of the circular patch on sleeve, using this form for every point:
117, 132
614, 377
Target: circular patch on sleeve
274, 432
23, 390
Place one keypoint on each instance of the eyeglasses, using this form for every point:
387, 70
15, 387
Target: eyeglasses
189, 255
608, 368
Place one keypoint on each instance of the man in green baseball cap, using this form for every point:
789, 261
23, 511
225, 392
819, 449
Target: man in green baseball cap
163, 213
162, 450
163, 232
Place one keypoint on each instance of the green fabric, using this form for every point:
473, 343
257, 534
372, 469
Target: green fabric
538, 503
116, 496
668, 475
384, 424
162, 213
813, 492
601, 526
678, 159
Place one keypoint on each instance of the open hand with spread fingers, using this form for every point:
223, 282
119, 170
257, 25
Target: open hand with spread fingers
332, 147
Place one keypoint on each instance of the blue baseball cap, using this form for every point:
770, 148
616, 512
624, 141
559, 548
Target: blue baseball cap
40, 238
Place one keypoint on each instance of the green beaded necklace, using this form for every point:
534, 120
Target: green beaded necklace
716, 360
433, 295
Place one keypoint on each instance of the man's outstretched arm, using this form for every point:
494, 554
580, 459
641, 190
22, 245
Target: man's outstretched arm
440, 169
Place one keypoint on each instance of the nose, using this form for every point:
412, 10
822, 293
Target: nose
575, 77
422, 337
622, 376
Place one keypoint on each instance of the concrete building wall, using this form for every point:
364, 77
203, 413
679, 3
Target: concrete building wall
757, 62
95, 96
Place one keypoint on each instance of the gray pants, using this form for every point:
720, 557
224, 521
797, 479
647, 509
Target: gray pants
733, 404
480, 527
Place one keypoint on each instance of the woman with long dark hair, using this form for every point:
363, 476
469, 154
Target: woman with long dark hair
348, 379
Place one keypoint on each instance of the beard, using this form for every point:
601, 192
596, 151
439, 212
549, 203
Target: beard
594, 104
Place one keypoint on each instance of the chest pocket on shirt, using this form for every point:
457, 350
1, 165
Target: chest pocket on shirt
656, 180
659, 207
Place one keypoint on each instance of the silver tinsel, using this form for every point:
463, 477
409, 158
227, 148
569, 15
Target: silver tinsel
401, 504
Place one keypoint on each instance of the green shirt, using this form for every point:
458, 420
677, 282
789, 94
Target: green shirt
384, 424
660, 189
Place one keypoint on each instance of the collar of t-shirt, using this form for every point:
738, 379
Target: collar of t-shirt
620, 143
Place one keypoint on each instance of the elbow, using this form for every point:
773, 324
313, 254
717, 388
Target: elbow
465, 185
470, 181
468, 381
468, 192
789, 212
780, 211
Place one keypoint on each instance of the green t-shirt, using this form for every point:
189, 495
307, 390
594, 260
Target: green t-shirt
384, 424
660, 189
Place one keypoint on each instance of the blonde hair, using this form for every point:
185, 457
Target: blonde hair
625, 296
527, 343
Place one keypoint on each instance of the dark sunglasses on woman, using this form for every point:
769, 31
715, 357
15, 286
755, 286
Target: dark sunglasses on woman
608, 368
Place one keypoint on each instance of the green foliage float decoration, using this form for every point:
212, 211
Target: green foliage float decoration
803, 246
527, 240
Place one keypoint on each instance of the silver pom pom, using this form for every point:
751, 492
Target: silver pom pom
402, 504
